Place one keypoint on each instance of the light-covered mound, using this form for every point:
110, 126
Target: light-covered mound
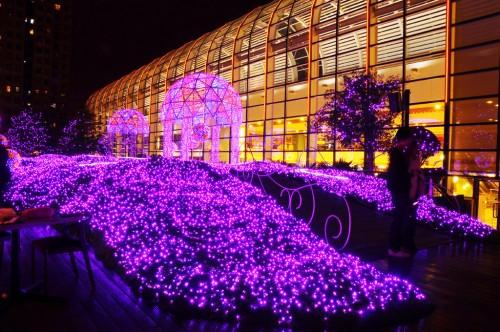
373, 190
200, 237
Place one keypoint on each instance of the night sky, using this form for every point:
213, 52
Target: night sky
112, 38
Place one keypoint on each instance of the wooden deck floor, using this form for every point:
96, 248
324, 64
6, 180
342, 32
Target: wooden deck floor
461, 279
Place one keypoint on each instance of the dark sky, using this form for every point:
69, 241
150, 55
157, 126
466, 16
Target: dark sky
114, 37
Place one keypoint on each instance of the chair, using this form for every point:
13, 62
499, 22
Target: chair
62, 244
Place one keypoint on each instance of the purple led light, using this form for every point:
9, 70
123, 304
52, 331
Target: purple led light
189, 232
28, 133
125, 126
373, 190
358, 115
127, 122
201, 99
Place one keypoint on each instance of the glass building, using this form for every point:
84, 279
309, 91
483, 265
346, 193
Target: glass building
284, 57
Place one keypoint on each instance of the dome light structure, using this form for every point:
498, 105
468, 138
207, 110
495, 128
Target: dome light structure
201, 100
124, 127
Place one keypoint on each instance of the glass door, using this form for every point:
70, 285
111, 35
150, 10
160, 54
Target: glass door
488, 202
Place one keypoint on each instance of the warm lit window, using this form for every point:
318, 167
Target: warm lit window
57, 6
32, 32
8, 88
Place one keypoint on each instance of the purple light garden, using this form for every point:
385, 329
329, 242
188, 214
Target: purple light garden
373, 190
196, 235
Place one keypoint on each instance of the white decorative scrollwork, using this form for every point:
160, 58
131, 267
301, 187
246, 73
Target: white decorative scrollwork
340, 239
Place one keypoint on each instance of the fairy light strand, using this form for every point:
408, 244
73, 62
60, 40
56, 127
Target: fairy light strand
194, 234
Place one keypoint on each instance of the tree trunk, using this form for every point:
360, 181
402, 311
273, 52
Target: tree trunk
369, 134
369, 162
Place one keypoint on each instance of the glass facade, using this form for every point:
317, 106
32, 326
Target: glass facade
284, 57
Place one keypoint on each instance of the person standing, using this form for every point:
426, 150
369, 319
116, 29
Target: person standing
403, 177
5, 174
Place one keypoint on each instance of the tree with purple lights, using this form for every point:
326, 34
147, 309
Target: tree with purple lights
104, 145
77, 135
68, 140
28, 133
358, 116
428, 144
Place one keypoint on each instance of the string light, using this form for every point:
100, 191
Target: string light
373, 190
197, 235
28, 133
128, 124
198, 100
358, 116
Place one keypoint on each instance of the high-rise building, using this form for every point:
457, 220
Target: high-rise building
35, 41
282, 58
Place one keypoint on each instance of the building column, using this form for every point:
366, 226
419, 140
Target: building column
145, 144
313, 147
168, 150
123, 145
235, 144
132, 145
187, 132
214, 152
111, 142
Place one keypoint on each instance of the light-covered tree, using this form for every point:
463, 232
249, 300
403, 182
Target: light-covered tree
28, 133
358, 116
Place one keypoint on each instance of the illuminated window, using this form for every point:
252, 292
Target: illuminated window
57, 6
32, 32
8, 88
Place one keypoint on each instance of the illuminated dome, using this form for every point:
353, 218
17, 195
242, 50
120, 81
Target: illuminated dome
125, 127
128, 121
201, 99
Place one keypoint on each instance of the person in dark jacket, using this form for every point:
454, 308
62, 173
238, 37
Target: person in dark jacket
403, 157
5, 174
